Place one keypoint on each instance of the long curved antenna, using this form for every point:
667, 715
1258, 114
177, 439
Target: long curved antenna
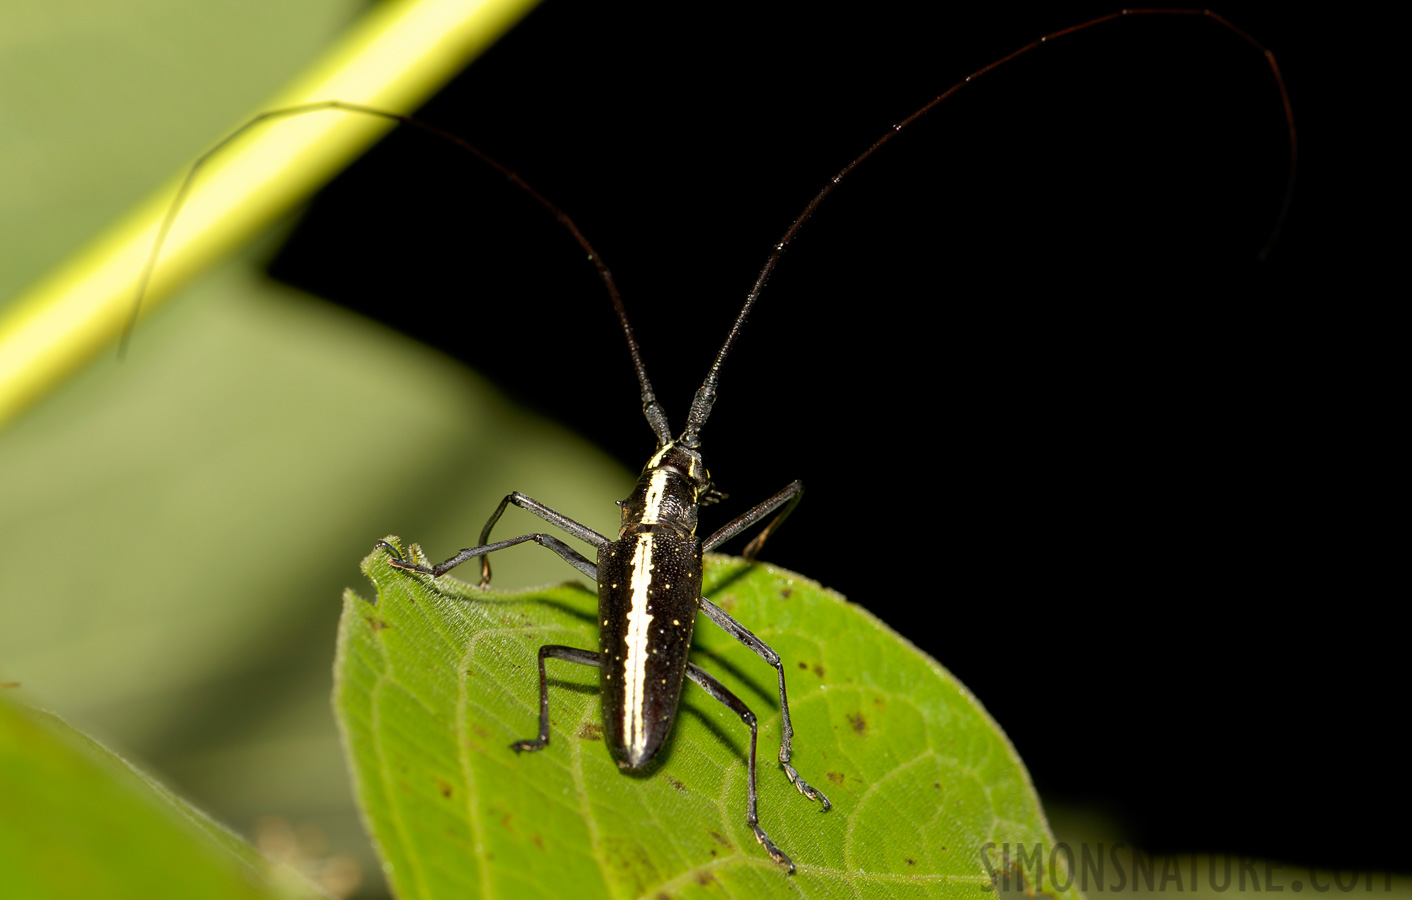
706, 394
656, 416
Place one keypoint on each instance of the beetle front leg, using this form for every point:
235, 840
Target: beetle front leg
788, 498
567, 553
552, 516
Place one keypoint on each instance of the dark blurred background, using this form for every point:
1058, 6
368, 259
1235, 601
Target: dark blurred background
1059, 426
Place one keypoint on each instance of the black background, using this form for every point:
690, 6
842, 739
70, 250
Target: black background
1059, 426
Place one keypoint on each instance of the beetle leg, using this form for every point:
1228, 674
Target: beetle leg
743, 634
788, 498
570, 555
568, 654
553, 517
752, 818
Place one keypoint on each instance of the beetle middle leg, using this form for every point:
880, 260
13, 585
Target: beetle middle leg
738, 631
752, 816
557, 651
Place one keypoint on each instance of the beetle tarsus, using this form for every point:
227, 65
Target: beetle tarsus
394, 559
776, 853
394, 554
805, 788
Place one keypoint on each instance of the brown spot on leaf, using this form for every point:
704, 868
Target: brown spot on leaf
878, 702
804, 665
720, 840
674, 783
480, 731
818, 670
591, 731
858, 723
704, 876
786, 593
444, 787
376, 624
537, 840
623, 855
7, 685
910, 862
836, 777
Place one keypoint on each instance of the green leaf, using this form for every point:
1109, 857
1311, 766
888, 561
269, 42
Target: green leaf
434, 681
79, 821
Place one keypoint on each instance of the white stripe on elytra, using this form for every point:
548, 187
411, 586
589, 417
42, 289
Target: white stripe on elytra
635, 668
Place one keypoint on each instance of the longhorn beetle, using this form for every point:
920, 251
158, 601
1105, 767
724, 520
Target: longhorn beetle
650, 576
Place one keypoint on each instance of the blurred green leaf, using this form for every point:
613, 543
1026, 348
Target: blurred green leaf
435, 681
177, 531
177, 527
80, 822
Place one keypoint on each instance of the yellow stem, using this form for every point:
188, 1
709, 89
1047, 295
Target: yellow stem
395, 57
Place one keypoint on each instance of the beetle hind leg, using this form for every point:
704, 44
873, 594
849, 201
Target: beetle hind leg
556, 651
752, 815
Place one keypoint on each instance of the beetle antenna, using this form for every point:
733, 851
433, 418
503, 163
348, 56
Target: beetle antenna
706, 395
656, 416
